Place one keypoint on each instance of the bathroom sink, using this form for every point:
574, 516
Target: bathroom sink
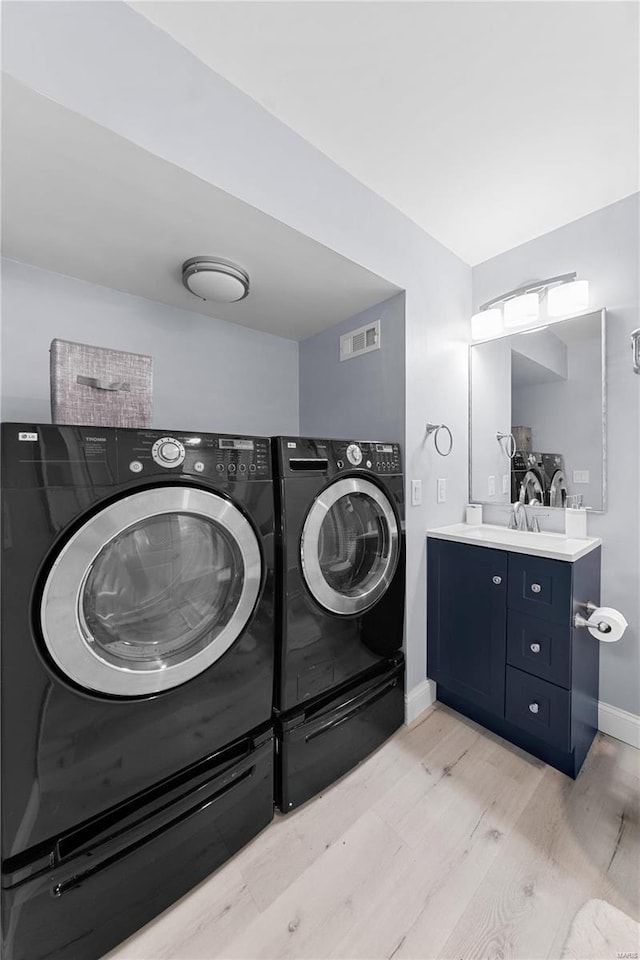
555, 546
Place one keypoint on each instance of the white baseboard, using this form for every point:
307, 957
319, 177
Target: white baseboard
619, 724
418, 700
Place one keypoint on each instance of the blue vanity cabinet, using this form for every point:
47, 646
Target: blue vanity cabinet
503, 649
467, 622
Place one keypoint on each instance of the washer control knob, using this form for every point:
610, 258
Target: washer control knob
135, 466
232, 468
168, 452
198, 466
354, 454
339, 464
369, 464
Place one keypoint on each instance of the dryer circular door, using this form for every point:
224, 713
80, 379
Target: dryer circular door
558, 490
151, 591
531, 489
350, 546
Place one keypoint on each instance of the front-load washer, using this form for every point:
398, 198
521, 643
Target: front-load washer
528, 482
137, 674
339, 689
556, 480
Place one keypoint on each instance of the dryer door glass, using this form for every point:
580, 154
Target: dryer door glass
151, 591
350, 546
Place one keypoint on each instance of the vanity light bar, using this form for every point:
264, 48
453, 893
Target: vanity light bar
519, 307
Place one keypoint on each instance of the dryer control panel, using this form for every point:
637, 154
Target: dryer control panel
298, 455
209, 456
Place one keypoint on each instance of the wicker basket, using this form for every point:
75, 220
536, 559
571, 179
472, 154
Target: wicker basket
97, 387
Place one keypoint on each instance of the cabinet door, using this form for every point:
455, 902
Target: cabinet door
466, 621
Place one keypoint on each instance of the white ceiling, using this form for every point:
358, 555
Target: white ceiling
80, 200
487, 123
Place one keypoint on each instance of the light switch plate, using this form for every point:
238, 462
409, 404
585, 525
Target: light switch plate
505, 483
442, 490
416, 493
492, 486
581, 476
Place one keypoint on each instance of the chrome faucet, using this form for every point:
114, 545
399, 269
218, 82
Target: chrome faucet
518, 519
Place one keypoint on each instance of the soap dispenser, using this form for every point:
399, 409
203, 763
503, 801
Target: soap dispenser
575, 518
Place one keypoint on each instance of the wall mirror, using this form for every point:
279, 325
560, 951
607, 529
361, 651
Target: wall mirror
537, 409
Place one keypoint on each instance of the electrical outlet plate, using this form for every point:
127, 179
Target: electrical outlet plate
505, 483
442, 490
492, 486
416, 493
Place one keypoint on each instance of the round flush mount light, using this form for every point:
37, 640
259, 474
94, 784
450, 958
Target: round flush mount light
211, 278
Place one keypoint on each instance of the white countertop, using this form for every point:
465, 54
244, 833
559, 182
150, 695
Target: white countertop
555, 546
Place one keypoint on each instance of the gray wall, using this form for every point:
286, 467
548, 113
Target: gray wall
167, 101
358, 398
603, 248
208, 374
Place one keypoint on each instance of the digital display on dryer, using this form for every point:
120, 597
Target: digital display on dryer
236, 444
384, 448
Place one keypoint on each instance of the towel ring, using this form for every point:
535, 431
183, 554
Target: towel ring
435, 428
511, 443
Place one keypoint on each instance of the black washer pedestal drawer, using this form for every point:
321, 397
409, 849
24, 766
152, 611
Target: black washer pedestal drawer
540, 708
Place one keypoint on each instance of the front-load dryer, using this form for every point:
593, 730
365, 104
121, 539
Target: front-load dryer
556, 480
528, 482
339, 688
137, 674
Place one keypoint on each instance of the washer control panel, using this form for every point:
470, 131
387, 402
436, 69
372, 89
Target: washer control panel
217, 457
168, 452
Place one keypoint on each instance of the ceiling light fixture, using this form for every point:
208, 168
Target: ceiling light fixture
211, 278
520, 307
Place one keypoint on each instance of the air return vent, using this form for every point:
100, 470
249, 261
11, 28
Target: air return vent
362, 340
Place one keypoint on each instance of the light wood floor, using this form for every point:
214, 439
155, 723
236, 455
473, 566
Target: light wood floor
447, 842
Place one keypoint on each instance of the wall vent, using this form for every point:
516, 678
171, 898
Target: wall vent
363, 340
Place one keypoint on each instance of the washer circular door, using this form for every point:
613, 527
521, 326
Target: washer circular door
350, 546
531, 489
151, 591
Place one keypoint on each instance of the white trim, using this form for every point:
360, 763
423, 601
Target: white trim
619, 724
418, 700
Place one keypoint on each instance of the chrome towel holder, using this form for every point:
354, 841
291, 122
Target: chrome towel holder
511, 447
435, 428
635, 349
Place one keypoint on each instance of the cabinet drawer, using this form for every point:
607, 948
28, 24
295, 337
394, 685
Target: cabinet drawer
540, 588
539, 707
539, 647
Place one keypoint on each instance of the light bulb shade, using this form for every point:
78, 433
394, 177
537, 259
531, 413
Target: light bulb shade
211, 278
568, 298
486, 323
521, 310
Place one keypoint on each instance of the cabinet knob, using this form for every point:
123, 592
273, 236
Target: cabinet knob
534, 647
534, 707
535, 588
497, 580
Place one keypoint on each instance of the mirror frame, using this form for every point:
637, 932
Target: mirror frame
602, 312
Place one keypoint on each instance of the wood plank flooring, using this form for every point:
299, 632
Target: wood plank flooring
447, 842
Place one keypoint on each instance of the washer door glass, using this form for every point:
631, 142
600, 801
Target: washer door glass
151, 591
531, 489
350, 546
